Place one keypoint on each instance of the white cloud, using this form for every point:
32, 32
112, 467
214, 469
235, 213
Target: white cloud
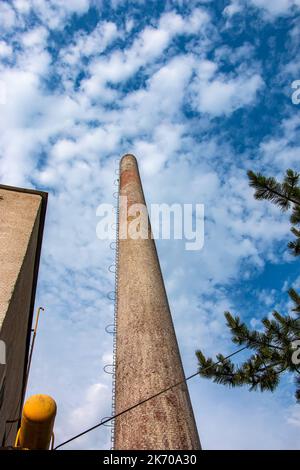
276, 7
162, 97
35, 37
77, 6
163, 146
7, 15
174, 23
22, 6
129, 25
93, 406
147, 47
267, 297
206, 69
87, 45
283, 151
222, 95
52, 13
196, 21
272, 8
233, 8
243, 54
5, 49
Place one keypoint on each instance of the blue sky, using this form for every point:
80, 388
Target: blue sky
200, 92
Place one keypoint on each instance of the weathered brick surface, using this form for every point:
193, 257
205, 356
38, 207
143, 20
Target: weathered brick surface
148, 358
19, 226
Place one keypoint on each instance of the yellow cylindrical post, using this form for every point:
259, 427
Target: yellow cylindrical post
37, 423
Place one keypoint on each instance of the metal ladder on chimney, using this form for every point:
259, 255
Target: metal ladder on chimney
113, 406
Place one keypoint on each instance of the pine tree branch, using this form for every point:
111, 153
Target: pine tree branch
259, 182
243, 335
284, 196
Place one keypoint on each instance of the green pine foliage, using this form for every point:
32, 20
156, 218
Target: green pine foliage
273, 346
286, 195
272, 353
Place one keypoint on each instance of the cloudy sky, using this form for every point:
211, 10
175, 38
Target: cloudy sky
200, 92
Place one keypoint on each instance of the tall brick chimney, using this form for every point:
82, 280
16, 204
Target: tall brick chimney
147, 355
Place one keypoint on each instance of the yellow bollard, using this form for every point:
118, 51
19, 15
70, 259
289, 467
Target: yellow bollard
37, 423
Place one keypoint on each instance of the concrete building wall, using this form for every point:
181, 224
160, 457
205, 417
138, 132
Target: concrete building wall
147, 357
20, 234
